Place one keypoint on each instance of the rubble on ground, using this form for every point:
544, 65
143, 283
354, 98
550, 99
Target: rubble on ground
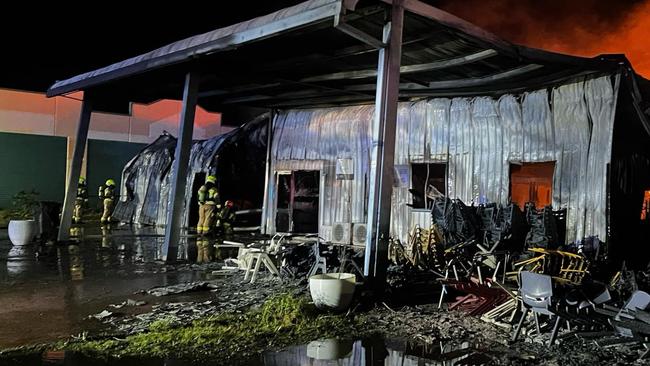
181, 288
128, 302
229, 294
428, 325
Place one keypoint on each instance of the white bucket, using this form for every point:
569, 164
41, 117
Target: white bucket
22, 232
332, 291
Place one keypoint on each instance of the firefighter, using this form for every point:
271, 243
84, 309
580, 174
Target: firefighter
100, 195
81, 201
226, 217
208, 203
109, 201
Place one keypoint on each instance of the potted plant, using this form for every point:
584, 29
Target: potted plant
22, 224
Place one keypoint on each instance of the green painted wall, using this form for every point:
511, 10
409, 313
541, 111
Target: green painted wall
32, 162
106, 159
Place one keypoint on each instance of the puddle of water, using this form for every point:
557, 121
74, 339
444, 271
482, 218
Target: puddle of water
47, 292
325, 352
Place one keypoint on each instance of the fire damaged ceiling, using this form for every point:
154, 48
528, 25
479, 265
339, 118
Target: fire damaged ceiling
331, 59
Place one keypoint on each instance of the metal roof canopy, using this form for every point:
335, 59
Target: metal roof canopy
324, 52
320, 53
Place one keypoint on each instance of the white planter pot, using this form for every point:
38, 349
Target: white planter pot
22, 232
329, 349
332, 291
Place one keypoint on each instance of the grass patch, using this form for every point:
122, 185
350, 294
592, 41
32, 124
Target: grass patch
281, 321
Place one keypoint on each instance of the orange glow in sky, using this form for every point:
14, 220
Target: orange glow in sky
573, 28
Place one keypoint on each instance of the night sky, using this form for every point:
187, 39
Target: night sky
60, 41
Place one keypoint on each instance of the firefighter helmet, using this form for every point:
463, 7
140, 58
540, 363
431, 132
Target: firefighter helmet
110, 182
212, 179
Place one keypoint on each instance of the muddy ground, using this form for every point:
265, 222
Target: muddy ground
421, 327
110, 289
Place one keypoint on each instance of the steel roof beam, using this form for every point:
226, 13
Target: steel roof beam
462, 83
436, 65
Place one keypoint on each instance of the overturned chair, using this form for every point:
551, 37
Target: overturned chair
631, 323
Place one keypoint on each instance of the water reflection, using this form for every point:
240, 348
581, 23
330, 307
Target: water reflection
76, 262
376, 351
107, 237
326, 352
48, 291
94, 249
204, 250
20, 260
329, 349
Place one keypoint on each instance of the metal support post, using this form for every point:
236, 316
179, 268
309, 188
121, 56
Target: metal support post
267, 201
383, 149
179, 169
75, 168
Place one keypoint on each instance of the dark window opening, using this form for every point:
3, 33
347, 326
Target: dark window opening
297, 205
532, 182
283, 212
427, 182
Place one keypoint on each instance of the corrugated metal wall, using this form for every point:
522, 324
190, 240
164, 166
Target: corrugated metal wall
148, 175
477, 137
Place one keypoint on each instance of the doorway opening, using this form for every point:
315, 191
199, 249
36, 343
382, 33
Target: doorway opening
427, 182
298, 201
532, 182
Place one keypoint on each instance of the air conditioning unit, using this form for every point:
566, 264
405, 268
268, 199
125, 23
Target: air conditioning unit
359, 232
341, 233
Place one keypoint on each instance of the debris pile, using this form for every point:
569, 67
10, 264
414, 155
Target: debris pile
514, 270
228, 295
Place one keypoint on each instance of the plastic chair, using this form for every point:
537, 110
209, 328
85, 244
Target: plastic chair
536, 292
257, 257
639, 301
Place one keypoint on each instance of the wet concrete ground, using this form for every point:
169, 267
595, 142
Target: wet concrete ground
48, 292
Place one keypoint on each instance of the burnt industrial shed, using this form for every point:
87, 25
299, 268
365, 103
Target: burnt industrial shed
236, 157
321, 61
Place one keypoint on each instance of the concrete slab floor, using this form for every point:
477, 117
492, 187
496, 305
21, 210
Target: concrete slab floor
48, 292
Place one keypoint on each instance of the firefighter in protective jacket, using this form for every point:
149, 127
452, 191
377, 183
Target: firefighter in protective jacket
109, 201
226, 218
81, 201
208, 204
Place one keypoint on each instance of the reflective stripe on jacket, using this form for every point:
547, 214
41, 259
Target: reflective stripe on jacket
82, 192
109, 192
208, 194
